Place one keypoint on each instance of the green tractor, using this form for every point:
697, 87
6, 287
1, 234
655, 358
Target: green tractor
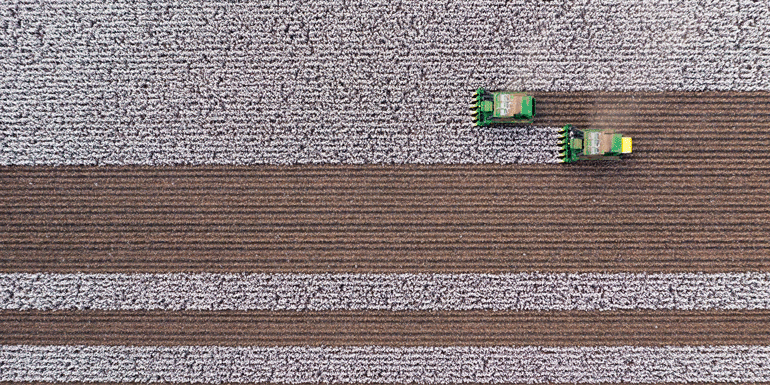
591, 144
502, 107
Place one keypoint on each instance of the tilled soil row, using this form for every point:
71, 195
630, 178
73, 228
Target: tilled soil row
693, 197
468, 328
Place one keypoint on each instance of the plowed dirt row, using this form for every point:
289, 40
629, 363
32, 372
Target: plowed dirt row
611, 257
388, 184
274, 176
470, 328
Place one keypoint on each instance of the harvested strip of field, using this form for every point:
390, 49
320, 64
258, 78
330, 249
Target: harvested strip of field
692, 198
385, 328
392, 292
422, 365
92, 83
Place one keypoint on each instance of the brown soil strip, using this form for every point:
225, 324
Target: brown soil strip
475, 328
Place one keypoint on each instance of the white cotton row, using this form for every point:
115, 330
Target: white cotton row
380, 364
289, 82
390, 292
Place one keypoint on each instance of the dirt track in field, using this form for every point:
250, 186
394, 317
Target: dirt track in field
692, 197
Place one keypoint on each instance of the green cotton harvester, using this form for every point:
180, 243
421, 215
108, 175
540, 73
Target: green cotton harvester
591, 144
502, 107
